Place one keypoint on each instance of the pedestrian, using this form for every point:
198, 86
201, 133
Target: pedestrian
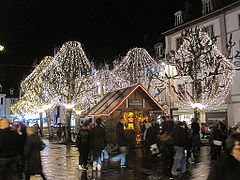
83, 145
216, 140
38, 129
167, 125
195, 128
9, 151
167, 152
179, 142
150, 140
32, 154
98, 142
22, 132
121, 143
228, 167
189, 156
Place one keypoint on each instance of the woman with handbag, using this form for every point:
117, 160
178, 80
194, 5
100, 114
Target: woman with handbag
32, 155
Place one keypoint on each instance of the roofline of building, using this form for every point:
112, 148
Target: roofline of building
204, 17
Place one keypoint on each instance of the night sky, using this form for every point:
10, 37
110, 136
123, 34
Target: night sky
31, 29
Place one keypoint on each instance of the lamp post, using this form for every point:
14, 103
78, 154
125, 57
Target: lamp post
170, 72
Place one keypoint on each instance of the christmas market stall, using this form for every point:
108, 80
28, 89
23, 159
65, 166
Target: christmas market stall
134, 104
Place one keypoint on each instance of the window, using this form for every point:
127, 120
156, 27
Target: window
12, 101
209, 31
181, 92
1, 101
159, 50
178, 20
178, 43
11, 91
207, 7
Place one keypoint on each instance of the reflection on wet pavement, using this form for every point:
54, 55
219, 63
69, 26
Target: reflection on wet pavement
60, 162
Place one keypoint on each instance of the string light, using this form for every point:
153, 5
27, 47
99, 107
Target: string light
204, 76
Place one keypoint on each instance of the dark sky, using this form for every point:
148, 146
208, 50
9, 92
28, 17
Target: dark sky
30, 29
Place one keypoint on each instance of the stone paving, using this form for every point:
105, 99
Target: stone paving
60, 162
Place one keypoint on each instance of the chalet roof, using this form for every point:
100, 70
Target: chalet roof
113, 100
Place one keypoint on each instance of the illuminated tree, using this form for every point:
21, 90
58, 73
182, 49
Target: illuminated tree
66, 78
139, 67
204, 75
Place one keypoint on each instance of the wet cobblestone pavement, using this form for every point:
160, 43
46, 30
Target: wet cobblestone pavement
60, 162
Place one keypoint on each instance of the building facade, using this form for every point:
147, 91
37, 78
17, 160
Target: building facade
7, 99
222, 23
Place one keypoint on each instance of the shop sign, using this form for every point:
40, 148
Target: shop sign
135, 103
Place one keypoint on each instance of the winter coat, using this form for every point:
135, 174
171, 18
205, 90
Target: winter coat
32, 155
120, 136
9, 143
225, 169
83, 138
98, 138
195, 128
179, 137
167, 127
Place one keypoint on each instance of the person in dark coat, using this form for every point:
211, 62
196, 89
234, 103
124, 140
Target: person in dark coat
121, 143
83, 145
9, 151
32, 154
98, 142
21, 129
179, 142
195, 137
228, 167
216, 141
167, 125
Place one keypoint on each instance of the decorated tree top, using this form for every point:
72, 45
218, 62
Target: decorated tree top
204, 75
67, 74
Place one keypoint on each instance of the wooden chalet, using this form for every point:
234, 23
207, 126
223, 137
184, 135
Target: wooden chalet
135, 104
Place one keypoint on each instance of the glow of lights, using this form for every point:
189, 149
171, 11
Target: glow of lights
197, 105
69, 106
139, 67
1, 48
203, 75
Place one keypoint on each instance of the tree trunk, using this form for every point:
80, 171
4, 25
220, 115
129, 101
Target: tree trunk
197, 112
68, 139
50, 130
41, 120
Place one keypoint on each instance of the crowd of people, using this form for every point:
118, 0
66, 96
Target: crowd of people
179, 143
20, 148
92, 145
174, 143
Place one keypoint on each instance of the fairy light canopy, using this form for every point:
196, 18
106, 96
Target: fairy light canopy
139, 67
204, 76
67, 74
32, 80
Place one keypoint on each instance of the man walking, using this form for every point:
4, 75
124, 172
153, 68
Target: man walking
9, 151
121, 143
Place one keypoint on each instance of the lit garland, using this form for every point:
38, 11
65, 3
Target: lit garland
139, 67
67, 75
204, 73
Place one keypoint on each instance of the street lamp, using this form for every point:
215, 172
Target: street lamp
170, 72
